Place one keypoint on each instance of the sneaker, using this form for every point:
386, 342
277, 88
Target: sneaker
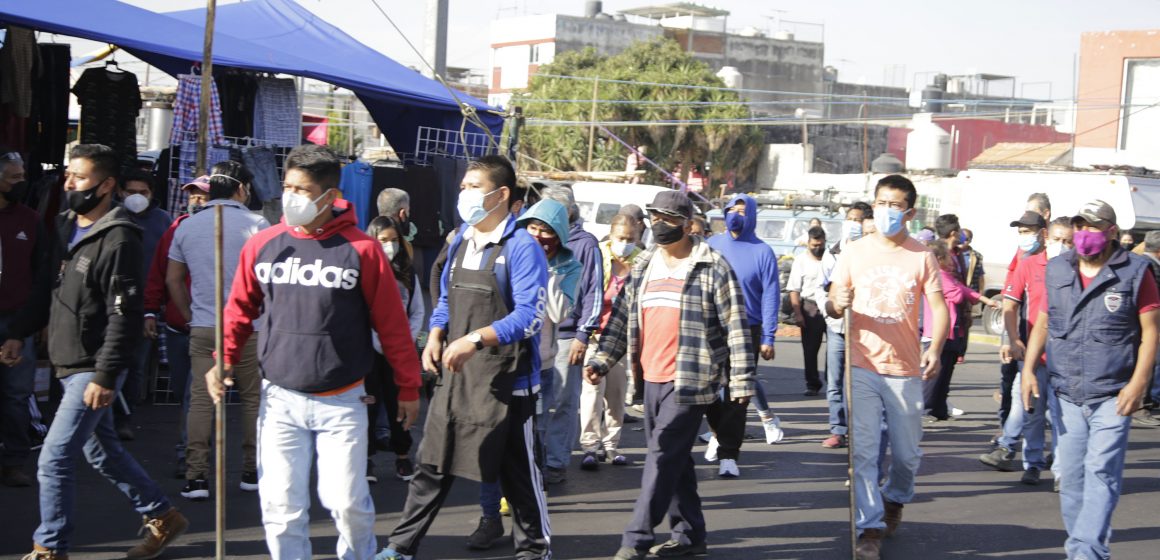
672, 548
390, 553
728, 469
196, 490
892, 515
835, 441
125, 431
1001, 459
489, 531
956, 412
812, 392
41, 553
249, 482
1030, 477
773, 431
711, 449
15, 477
1144, 418
160, 532
553, 475
372, 478
705, 437
620, 460
404, 470
629, 553
869, 545
589, 462
505, 509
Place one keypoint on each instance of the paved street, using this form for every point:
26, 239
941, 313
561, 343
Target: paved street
790, 501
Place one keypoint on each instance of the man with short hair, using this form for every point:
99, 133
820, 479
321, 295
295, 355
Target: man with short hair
485, 326
881, 279
93, 324
805, 279
644, 235
682, 300
1145, 416
396, 204
320, 285
1099, 325
191, 285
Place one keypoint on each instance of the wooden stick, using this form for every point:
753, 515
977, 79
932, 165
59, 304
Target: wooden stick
849, 384
220, 407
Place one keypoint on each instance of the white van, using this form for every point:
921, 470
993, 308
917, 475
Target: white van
599, 202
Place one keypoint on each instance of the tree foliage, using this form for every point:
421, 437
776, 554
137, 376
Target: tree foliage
728, 148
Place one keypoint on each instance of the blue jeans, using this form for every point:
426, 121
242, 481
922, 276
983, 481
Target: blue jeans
293, 430
76, 429
16, 385
1093, 441
1030, 427
900, 398
563, 420
177, 347
1156, 383
835, 377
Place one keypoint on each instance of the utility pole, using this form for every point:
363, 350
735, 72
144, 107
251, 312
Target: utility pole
592, 122
435, 38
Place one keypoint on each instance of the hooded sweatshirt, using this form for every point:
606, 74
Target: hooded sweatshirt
322, 292
563, 273
755, 265
585, 316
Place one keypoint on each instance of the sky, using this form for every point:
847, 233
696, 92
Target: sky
892, 42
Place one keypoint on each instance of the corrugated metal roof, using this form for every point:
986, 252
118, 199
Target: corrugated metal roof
1025, 153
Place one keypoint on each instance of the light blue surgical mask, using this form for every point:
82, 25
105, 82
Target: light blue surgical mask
1029, 243
889, 221
470, 206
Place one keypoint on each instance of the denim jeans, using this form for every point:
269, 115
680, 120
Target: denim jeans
900, 398
1093, 441
1156, 383
292, 428
835, 377
1031, 427
177, 347
16, 385
76, 429
563, 420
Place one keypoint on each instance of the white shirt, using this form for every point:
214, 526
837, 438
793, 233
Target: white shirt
806, 277
476, 242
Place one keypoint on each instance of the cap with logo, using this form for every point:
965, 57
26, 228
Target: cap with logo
1097, 213
672, 203
1030, 219
201, 183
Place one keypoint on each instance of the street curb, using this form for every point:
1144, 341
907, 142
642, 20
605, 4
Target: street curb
989, 339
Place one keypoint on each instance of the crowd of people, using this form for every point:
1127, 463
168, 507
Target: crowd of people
542, 341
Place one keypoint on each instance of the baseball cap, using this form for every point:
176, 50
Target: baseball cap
199, 183
1097, 213
673, 203
1030, 219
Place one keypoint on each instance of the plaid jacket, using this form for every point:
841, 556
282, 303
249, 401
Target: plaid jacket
714, 347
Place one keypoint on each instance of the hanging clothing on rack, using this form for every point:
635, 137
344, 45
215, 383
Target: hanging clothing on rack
17, 58
186, 114
110, 103
261, 162
187, 161
357, 185
48, 123
238, 91
276, 116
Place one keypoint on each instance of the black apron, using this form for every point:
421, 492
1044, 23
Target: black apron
467, 422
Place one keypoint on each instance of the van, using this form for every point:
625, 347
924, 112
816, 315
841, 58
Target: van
599, 202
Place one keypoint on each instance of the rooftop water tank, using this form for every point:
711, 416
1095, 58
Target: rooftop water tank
928, 146
783, 36
886, 163
731, 76
592, 8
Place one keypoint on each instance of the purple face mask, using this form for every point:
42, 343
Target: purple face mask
1089, 243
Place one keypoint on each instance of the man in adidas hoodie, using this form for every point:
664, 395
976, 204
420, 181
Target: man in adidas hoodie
323, 285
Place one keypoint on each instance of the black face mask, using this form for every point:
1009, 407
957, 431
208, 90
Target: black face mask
83, 202
667, 234
818, 251
18, 192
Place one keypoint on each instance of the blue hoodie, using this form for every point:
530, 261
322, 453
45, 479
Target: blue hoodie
755, 265
563, 264
590, 292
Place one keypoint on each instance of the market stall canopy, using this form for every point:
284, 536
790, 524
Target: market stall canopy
279, 36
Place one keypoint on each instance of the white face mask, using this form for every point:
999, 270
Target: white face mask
1054, 248
299, 209
136, 203
622, 249
391, 248
851, 231
470, 206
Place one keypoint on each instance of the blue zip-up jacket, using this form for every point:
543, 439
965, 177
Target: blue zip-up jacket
590, 294
521, 271
1093, 335
755, 265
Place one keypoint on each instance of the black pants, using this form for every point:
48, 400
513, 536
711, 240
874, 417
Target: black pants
380, 384
727, 418
935, 391
668, 484
1008, 373
813, 332
519, 478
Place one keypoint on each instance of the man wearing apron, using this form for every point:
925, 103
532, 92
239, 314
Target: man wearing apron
484, 341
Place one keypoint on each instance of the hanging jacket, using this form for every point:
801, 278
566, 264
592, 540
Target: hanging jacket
755, 265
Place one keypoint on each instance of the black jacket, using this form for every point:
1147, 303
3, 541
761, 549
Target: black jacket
96, 317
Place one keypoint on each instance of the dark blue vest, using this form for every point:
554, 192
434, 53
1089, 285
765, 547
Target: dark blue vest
1093, 334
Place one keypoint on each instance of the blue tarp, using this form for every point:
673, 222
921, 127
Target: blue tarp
265, 36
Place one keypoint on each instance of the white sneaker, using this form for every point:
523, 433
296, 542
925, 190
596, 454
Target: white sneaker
773, 432
705, 437
711, 449
728, 469
956, 412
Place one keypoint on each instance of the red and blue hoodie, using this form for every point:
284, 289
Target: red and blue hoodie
322, 292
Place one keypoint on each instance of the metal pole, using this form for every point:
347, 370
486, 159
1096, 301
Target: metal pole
850, 437
592, 122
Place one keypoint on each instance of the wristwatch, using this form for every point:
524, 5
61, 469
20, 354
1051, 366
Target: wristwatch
476, 339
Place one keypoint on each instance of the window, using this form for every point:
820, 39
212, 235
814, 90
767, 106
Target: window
542, 53
605, 212
771, 229
1141, 112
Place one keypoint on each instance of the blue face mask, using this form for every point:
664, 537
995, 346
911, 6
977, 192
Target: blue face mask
735, 221
1029, 243
889, 221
